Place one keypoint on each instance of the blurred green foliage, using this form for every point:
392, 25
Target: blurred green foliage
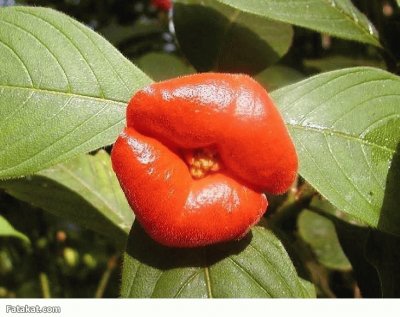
72, 259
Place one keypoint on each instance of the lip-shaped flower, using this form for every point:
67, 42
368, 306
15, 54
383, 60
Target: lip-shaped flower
197, 154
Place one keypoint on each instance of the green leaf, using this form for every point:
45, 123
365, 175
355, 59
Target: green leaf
257, 266
346, 128
338, 62
383, 252
278, 76
63, 89
319, 232
7, 230
375, 257
310, 291
353, 240
336, 17
322, 206
162, 66
118, 34
217, 37
85, 190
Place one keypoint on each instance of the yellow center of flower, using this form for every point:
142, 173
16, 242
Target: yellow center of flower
202, 162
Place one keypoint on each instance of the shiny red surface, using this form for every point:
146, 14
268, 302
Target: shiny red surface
230, 113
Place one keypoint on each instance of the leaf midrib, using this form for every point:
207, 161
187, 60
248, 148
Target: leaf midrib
360, 27
208, 281
121, 103
330, 132
345, 17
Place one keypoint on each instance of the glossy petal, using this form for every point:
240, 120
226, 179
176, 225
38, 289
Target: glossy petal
230, 115
232, 112
175, 209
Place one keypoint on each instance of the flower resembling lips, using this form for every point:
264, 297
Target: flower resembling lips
197, 154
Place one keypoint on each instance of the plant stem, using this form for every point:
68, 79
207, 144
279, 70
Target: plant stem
297, 200
44, 284
112, 263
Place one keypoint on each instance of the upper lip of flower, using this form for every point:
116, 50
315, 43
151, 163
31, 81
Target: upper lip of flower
233, 114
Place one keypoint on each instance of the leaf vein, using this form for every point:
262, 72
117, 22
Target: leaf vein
324, 130
36, 130
186, 283
155, 284
134, 278
15, 110
323, 102
102, 94
258, 283
358, 105
208, 281
65, 154
346, 176
321, 173
92, 190
85, 31
45, 46
121, 103
273, 267
308, 81
55, 142
20, 59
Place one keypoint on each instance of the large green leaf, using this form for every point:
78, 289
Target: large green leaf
84, 190
119, 34
216, 37
353, 240
338, 62
383, 252
7, 230
336, 17
162, 66
375, 257
346, 127
319, 232
63, 89
278, 76
257, 266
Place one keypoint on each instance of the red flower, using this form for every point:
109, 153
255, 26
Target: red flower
198, 153
164, 5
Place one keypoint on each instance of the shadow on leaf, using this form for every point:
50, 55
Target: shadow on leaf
212, 41
390, 212
144, 249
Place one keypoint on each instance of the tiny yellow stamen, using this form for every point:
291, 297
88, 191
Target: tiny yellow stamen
202, 162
